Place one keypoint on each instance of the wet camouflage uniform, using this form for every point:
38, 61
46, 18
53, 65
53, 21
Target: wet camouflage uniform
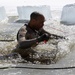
25, 33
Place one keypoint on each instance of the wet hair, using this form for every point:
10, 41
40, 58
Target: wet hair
35, 15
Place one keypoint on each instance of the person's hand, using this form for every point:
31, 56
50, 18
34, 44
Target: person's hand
43, 37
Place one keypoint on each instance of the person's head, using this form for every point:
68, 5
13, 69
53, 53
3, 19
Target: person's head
36, 20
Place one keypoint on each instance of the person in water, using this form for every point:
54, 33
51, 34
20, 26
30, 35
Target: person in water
31, 34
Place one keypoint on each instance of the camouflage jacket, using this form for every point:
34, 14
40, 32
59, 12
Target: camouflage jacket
26, 33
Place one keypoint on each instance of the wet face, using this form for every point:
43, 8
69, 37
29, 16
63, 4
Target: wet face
39, 23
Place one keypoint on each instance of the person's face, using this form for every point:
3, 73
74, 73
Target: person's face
39, 23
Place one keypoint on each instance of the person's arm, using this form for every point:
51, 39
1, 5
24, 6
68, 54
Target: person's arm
22, 41
53, 36
31, 42
27, 43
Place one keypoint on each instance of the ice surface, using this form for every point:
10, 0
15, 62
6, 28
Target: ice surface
68, 14
3, 15
25, 11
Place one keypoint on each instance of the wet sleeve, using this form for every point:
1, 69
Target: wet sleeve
21, 34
